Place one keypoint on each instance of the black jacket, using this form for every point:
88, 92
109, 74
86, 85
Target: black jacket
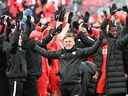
70, 61
115, 77
125, 49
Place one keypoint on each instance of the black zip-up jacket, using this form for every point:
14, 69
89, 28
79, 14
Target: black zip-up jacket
70, 61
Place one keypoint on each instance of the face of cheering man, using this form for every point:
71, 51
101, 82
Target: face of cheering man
113, 32
69, 41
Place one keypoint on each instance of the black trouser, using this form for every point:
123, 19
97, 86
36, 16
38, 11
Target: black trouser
16, 87
4, 85
71, 89
26, 87
30, 87
88, 84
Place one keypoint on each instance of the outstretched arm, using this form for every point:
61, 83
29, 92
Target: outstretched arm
93, 49
46, 53
86, 39
47, 39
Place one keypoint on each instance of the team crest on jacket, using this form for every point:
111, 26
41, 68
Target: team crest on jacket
62, 55
74, 53
79, 40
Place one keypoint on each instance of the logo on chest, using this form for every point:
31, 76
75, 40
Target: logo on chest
74, 53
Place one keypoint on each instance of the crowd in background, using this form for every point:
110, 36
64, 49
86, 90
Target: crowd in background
30, 29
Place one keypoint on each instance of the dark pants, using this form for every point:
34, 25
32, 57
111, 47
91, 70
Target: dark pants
30, 87
16, 87
26, 87
88, 84
4, 85
71, 89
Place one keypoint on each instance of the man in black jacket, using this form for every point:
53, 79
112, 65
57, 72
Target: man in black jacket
70, 58
4, 84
